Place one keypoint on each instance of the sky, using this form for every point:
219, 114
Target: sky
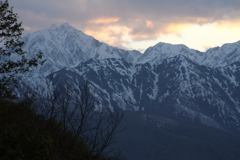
138, 24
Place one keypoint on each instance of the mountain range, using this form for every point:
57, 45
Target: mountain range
169, 79
65, 46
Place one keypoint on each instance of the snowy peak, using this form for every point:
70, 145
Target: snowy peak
65, 46
66, 25
161, 51
53, 26
171, 79
215, 57
222, 56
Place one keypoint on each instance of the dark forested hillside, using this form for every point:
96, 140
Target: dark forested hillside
153, 136
25, 135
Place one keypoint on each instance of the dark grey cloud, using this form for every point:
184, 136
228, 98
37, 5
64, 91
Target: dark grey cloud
134, 14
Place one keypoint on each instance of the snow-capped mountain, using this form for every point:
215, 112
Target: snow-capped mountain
177, 86
170, 79
222, 56
214, 57
156, 54
65, 46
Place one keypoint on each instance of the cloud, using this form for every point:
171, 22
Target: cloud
113, 35
149, 24
228, 24
113, 20
104, 20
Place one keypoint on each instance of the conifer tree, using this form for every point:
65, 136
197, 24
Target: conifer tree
11, 46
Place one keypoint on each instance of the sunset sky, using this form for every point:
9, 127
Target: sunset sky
138, 24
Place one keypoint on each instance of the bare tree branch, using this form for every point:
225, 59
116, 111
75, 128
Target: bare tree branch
78, 110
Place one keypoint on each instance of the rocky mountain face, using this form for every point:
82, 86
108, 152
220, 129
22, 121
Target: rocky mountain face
177, 87
222, 56
65, 46
169, 79
214, 57
161, 51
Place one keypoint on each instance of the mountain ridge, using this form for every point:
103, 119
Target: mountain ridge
170, 79
65, 46
177, 86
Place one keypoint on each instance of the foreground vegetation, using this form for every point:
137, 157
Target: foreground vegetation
26, 135
62, 130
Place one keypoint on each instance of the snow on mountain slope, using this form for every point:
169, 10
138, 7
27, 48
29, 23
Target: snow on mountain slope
214, 57
222, 56
171, 79
197, 92
177, 86
65, 46
161, 51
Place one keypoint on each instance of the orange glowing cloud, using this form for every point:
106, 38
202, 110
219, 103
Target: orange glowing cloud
207, 46
141, 36
116, 32
104, 20
149, 24
228, 24
26, 28
176, 28
113, 35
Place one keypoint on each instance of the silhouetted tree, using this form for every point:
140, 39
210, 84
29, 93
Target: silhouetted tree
80, 111
25, 135
11, 48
